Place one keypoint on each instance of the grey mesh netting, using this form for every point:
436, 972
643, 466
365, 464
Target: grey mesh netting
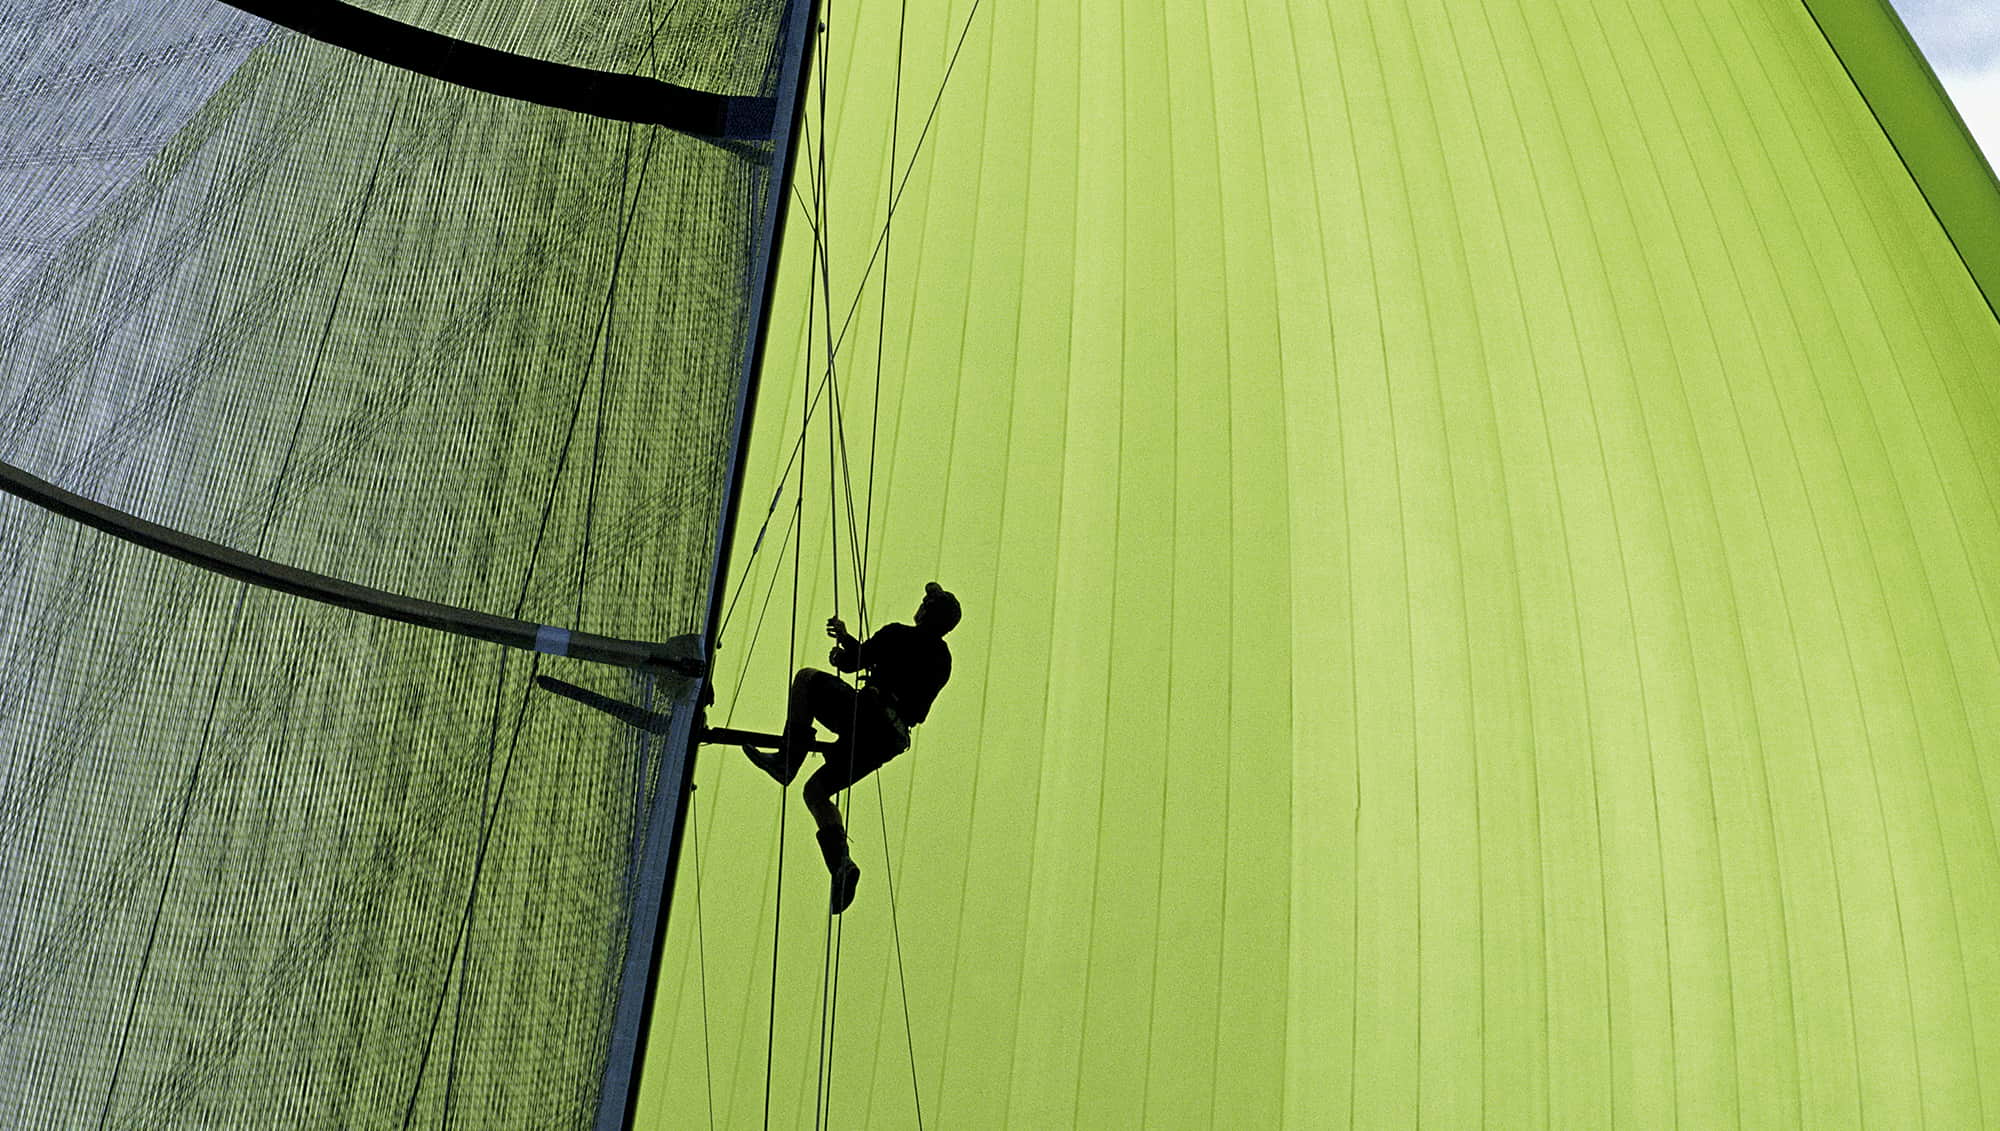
265, 862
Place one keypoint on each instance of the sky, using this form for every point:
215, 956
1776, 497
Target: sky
1961, 38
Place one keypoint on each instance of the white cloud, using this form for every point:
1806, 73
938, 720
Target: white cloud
1977, 96
1959, 35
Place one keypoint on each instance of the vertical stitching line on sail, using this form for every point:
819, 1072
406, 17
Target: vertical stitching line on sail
1917, 1048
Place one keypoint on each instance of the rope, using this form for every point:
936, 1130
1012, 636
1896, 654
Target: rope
859, 527
896, 932
777, 496
829, 975
868, 508
860, 534
896, 199
829, 986
880, 248
823, 257
701, 962
791, 665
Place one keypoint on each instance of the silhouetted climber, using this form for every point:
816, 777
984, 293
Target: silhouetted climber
906, 665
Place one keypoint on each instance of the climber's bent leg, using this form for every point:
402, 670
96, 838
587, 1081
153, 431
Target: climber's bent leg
817, 696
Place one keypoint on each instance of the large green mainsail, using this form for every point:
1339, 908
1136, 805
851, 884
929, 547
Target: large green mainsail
437, 311
1477, 527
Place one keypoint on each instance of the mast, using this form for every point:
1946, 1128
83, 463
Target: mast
618, 1103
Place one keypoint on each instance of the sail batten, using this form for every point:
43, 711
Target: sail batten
682, 655
630, 98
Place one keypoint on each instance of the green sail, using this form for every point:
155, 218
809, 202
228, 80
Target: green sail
1477, 530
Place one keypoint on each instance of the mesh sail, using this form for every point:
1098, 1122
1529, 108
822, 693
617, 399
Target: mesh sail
264, 861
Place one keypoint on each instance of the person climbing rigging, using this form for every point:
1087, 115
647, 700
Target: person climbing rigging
905, 667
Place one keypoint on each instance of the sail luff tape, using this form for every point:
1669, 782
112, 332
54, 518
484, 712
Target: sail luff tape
552, 640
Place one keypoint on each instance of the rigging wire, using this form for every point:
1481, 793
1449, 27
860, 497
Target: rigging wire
896, 933
777, 932
791, 661
757, 629
778, 915
784, 798
837, 465
822, 261
701, 962
860, 536
859, 529
868, 509
895, 199
902, 183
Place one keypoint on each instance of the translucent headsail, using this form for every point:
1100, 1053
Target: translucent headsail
265, 861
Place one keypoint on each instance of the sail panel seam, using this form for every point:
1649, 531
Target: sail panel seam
604, 94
